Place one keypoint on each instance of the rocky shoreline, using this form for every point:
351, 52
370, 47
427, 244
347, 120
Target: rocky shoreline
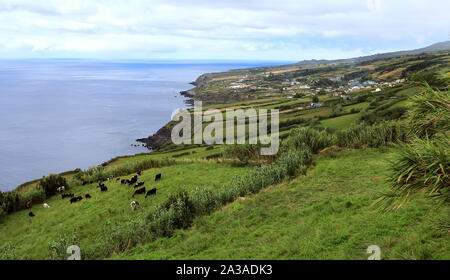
163, 135
157, 140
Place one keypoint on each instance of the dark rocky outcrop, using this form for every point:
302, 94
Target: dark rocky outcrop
161, 137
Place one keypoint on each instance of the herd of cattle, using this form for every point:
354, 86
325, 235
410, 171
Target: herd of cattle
138, 186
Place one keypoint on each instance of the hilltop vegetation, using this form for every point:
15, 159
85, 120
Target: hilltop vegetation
318, 198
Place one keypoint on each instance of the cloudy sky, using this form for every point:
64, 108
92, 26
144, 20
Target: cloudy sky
277, 30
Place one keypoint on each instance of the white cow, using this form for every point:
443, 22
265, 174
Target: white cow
46, 205
61, 189
134, 205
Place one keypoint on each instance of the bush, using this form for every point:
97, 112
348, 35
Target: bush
306, 136
374, 136
243, 152
429, 78
177, 213
421, 166
50, 183
430, 113
295, 162
58, 247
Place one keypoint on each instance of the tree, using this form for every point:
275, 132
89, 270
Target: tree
51, 183
315, 99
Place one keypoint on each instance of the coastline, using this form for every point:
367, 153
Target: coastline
152, 142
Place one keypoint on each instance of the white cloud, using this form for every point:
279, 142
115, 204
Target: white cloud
229, 29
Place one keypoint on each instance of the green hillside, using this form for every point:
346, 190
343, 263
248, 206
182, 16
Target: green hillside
322, 196
323, 215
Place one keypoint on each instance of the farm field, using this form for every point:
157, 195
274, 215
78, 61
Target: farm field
90, 219
326, 214
314, 199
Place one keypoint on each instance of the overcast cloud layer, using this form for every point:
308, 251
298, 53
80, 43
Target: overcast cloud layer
203, 29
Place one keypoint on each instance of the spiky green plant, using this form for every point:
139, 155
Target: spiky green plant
423, 166
430, 113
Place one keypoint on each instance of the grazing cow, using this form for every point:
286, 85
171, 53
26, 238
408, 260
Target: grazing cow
103, 188
133, 180
150, 192
123, 181
84, 183
158, 177
31, 214
28, 204
140, 184
134, 205
64, 195
61, 189
75, 199
118, 179
139, 191
45, 205
139, 173
87, 196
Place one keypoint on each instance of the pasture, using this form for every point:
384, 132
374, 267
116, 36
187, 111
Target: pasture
326, 214
89, 219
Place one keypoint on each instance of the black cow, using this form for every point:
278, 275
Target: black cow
31, 214
133, 180
140, 184
158, 177
65, 195
150, 192
103, 188
139, 191
88, 196
123, 181
75, 199
139, 173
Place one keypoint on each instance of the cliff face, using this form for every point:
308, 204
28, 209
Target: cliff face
161, 137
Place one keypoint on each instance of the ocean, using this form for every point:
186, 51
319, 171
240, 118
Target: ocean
57, 115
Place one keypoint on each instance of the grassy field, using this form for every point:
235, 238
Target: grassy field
324, 215
340, 122
90, 217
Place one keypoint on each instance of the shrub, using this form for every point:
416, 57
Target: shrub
50, 183
430, 112
177, 213
306, 136
421, 166
58, 247
374, 136
243, 152
295, 162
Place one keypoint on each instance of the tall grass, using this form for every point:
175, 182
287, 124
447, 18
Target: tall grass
308, 137
362, 135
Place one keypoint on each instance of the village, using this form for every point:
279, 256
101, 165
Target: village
293, 88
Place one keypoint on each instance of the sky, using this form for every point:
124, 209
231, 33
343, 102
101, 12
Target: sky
281, 30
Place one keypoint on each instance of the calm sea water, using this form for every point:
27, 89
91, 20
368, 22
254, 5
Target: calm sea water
58, 115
